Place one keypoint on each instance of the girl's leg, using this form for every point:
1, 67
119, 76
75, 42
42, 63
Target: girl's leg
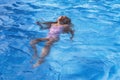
45, 52
33, 44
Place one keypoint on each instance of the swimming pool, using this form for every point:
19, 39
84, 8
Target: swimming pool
93, 55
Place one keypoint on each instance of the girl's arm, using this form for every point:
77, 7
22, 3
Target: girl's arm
71, 32
68, 29
44, 25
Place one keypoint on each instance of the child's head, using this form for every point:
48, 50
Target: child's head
64, 20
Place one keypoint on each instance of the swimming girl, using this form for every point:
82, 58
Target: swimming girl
62, 25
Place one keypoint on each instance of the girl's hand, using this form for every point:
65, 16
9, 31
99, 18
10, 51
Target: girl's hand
71, 38
37, 22
40, 25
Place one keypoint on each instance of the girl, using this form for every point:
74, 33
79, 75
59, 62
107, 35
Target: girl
62, 25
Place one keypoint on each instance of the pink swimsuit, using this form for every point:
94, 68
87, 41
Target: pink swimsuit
55, 32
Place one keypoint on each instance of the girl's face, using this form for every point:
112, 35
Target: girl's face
61, 18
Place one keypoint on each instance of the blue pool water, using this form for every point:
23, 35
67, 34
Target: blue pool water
93, 55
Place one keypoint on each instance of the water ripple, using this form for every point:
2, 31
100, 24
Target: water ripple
93, 54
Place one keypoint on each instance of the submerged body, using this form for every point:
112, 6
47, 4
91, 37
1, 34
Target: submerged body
55, 29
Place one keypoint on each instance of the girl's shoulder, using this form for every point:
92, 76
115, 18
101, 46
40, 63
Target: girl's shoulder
66, 25
53, 24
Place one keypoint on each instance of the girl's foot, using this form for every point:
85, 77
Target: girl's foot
38, 63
